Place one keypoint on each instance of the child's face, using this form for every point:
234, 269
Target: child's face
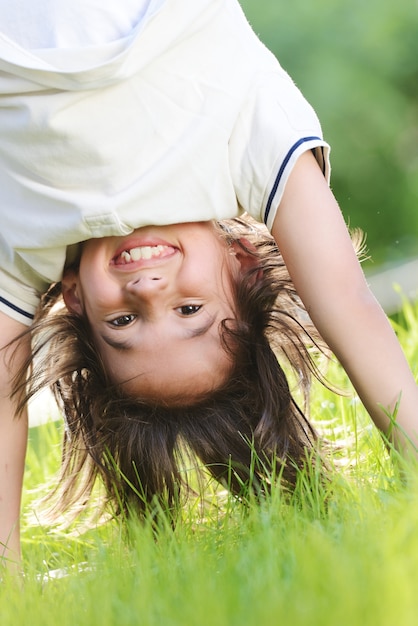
154, 300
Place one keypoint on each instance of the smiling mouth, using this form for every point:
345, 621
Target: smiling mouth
142, 253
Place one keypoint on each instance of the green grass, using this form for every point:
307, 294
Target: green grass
345, 553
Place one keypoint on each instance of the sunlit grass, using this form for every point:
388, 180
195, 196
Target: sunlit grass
340, 552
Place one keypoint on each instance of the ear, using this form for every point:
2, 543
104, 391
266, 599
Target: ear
247, 260
70, 292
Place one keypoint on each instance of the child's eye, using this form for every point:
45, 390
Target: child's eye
189, 309
123, 320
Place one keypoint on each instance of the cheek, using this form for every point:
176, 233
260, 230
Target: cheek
100, 297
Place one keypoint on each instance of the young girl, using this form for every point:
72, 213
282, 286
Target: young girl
127, 137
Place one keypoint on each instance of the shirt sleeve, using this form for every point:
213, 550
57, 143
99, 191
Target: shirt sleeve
275, 126
18, 300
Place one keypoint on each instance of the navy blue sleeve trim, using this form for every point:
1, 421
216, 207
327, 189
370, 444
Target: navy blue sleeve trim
16, 308
282, 169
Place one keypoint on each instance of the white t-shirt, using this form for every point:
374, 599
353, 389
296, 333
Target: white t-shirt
79, 23
179, 114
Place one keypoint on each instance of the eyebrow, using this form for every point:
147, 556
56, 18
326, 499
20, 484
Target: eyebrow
127, 345
202, 330
117, 344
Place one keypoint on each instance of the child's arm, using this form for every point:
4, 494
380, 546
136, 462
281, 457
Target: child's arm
13, 438
313, 238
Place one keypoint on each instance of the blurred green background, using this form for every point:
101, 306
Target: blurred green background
356, 61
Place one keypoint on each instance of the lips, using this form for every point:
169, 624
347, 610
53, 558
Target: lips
140, 253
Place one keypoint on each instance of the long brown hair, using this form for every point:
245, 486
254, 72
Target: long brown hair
245, 432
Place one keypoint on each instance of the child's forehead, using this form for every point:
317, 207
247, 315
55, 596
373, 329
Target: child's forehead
175, 376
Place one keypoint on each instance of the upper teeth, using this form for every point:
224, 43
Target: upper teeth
143, 252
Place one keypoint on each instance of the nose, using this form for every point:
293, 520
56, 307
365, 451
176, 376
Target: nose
148, 292
147, 285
